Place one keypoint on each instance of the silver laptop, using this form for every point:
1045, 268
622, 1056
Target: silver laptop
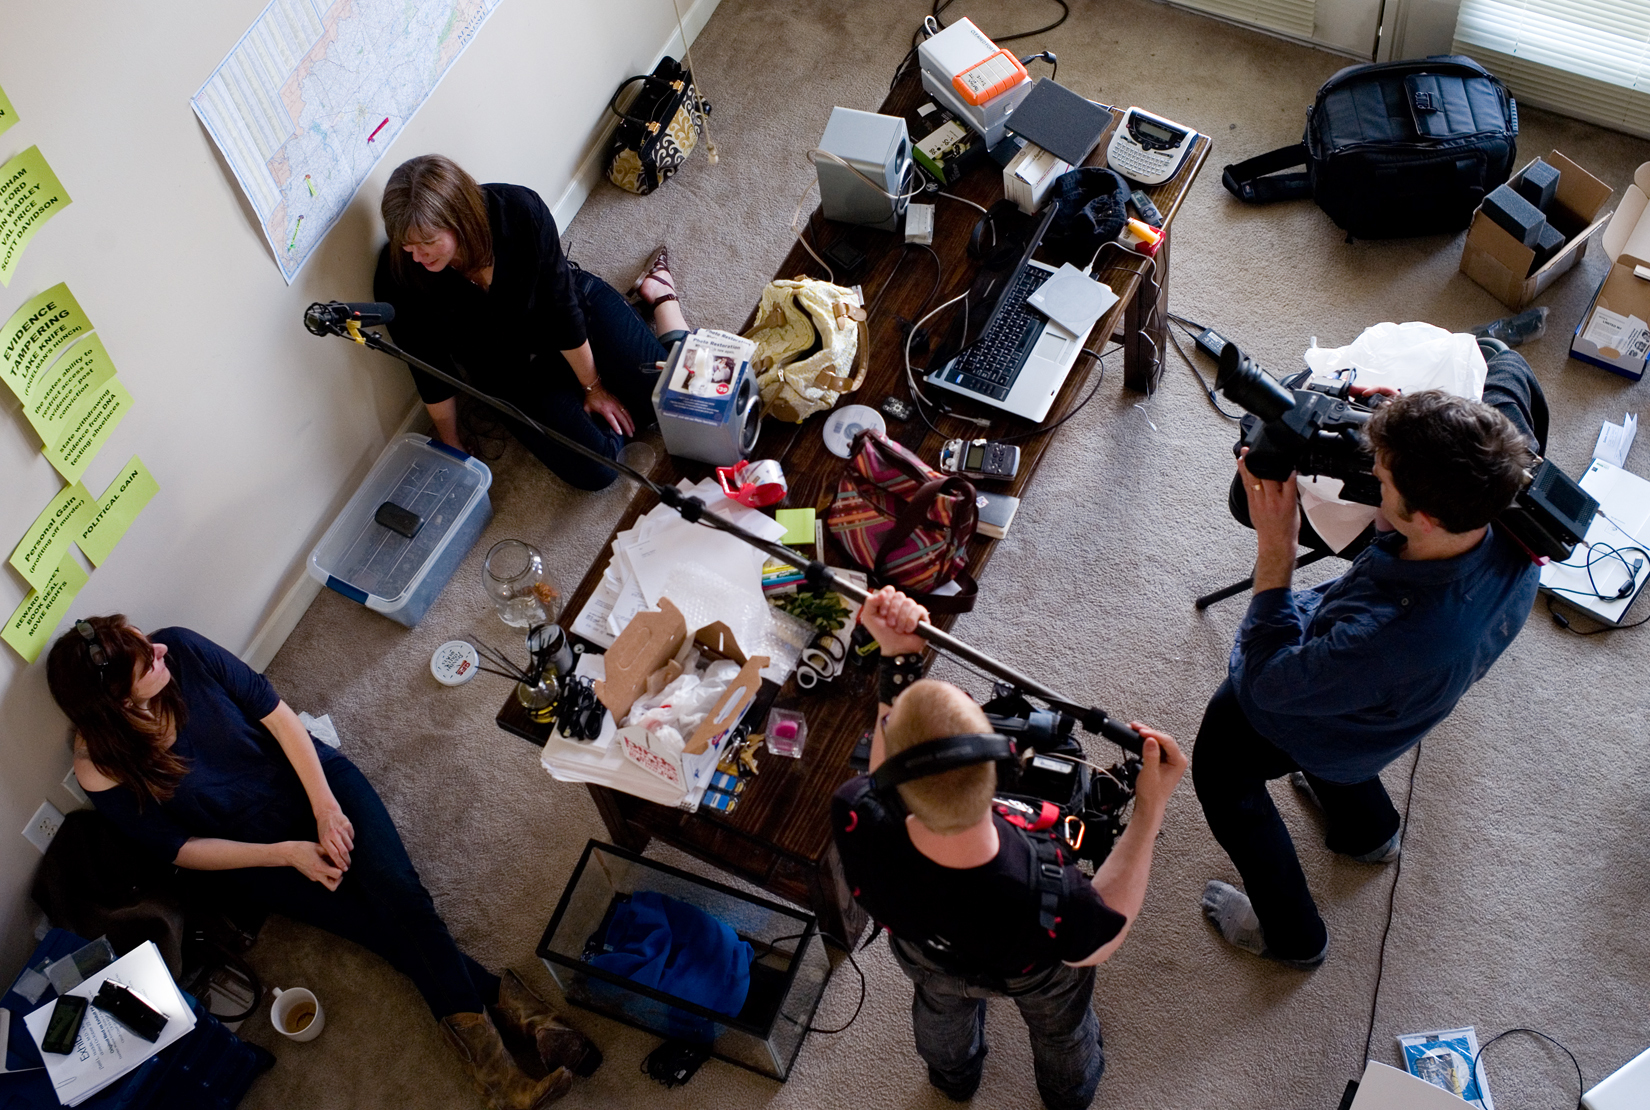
1020, 358
1627, 1089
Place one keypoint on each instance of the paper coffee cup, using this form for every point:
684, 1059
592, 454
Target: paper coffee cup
296, 1013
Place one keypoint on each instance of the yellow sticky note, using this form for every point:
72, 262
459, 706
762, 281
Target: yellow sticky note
83, 368
36, 619
799, 525
35, 334
114, 512
8, 114
88, 426
43, 545
30, 194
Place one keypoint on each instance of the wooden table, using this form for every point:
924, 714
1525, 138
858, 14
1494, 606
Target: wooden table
779, 836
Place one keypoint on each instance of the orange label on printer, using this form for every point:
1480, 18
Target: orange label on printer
990, 79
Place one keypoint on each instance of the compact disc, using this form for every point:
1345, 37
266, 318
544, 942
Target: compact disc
842, 425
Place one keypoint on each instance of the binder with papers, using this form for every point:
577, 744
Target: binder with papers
106, 1050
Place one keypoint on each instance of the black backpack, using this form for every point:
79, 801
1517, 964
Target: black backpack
1395, 149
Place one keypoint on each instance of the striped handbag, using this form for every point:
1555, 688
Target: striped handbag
907, 524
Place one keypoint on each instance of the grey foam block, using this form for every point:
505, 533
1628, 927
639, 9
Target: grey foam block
1538, 183
1550, 242
1515, 215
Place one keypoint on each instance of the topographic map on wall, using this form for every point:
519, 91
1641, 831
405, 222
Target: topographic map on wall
315, 92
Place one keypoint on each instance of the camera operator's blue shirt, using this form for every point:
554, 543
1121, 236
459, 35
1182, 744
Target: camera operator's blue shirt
1348, 675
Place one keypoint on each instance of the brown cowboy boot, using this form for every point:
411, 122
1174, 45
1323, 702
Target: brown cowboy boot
559, 1046
492, 1069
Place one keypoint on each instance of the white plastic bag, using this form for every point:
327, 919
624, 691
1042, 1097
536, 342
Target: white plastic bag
1411, 357
675, 712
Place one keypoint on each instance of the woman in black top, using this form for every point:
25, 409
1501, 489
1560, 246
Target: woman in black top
482, 291
192, 753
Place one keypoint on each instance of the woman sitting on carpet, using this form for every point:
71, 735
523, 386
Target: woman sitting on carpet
193, 754
482, 289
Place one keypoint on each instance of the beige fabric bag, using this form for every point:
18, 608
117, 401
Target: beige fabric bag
797, 316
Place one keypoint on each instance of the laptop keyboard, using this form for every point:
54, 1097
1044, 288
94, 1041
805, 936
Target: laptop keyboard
991, 366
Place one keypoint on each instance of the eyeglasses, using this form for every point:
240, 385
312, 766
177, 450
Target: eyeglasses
94, 646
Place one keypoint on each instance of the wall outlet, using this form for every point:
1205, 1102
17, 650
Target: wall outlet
43, 826
71, 787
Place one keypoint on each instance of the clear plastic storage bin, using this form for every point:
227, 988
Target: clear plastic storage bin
397, 575
787, 976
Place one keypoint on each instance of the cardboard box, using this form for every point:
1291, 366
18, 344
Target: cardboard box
1501, 264
648, 655
1613, 332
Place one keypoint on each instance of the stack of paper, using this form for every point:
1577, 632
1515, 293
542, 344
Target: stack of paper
105, 1050
709, 575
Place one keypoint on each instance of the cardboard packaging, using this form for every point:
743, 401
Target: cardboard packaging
1614, 333
1502, 264
648, 656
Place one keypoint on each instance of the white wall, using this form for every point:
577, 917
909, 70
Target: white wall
255, 430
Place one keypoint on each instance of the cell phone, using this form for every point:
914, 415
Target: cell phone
398, 519
131, 1009
64, 1028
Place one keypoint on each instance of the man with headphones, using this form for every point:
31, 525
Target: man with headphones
975, 906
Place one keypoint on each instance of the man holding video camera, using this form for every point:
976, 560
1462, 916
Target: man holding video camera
962, 891
1338, 681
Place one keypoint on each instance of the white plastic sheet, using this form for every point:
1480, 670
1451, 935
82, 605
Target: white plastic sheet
1409, 357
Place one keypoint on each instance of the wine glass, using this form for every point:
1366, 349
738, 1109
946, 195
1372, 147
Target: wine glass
513, 575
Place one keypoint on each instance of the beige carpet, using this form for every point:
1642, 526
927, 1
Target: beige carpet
1521, 899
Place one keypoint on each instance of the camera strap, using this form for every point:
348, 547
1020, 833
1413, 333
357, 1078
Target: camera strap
1047, 878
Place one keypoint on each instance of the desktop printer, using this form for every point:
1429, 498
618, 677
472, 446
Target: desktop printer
972, 78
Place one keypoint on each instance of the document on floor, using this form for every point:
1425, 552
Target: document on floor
1616, 440
105, 1050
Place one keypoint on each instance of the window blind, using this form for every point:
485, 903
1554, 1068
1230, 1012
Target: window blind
1292, 17
1586, 58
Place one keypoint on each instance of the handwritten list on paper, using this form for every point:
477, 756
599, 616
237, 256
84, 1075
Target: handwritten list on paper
83, 368
36, 619
35, 334
44, 544
30, 194
89, 425
107, 521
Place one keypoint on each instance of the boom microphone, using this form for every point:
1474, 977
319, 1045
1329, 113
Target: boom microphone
330, 318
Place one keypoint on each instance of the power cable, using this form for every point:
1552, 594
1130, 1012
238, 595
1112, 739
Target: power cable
1391, 905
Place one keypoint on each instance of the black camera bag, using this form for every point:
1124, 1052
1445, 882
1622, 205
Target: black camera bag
1394, 149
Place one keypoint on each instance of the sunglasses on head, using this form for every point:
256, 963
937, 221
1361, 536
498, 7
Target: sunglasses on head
94, 646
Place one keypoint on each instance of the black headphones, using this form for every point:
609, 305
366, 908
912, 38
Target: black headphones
935, 757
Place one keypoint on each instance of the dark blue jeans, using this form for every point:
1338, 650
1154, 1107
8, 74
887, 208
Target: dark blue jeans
380, 905
948, 1016
622, 344
1231, 765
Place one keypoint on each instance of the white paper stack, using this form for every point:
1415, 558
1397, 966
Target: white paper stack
105, 1050
709, 575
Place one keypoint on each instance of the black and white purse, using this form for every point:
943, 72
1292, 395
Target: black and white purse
658, 130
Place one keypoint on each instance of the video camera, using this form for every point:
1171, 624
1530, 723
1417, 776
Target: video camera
1319, 430
1316, 430
1050, 783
